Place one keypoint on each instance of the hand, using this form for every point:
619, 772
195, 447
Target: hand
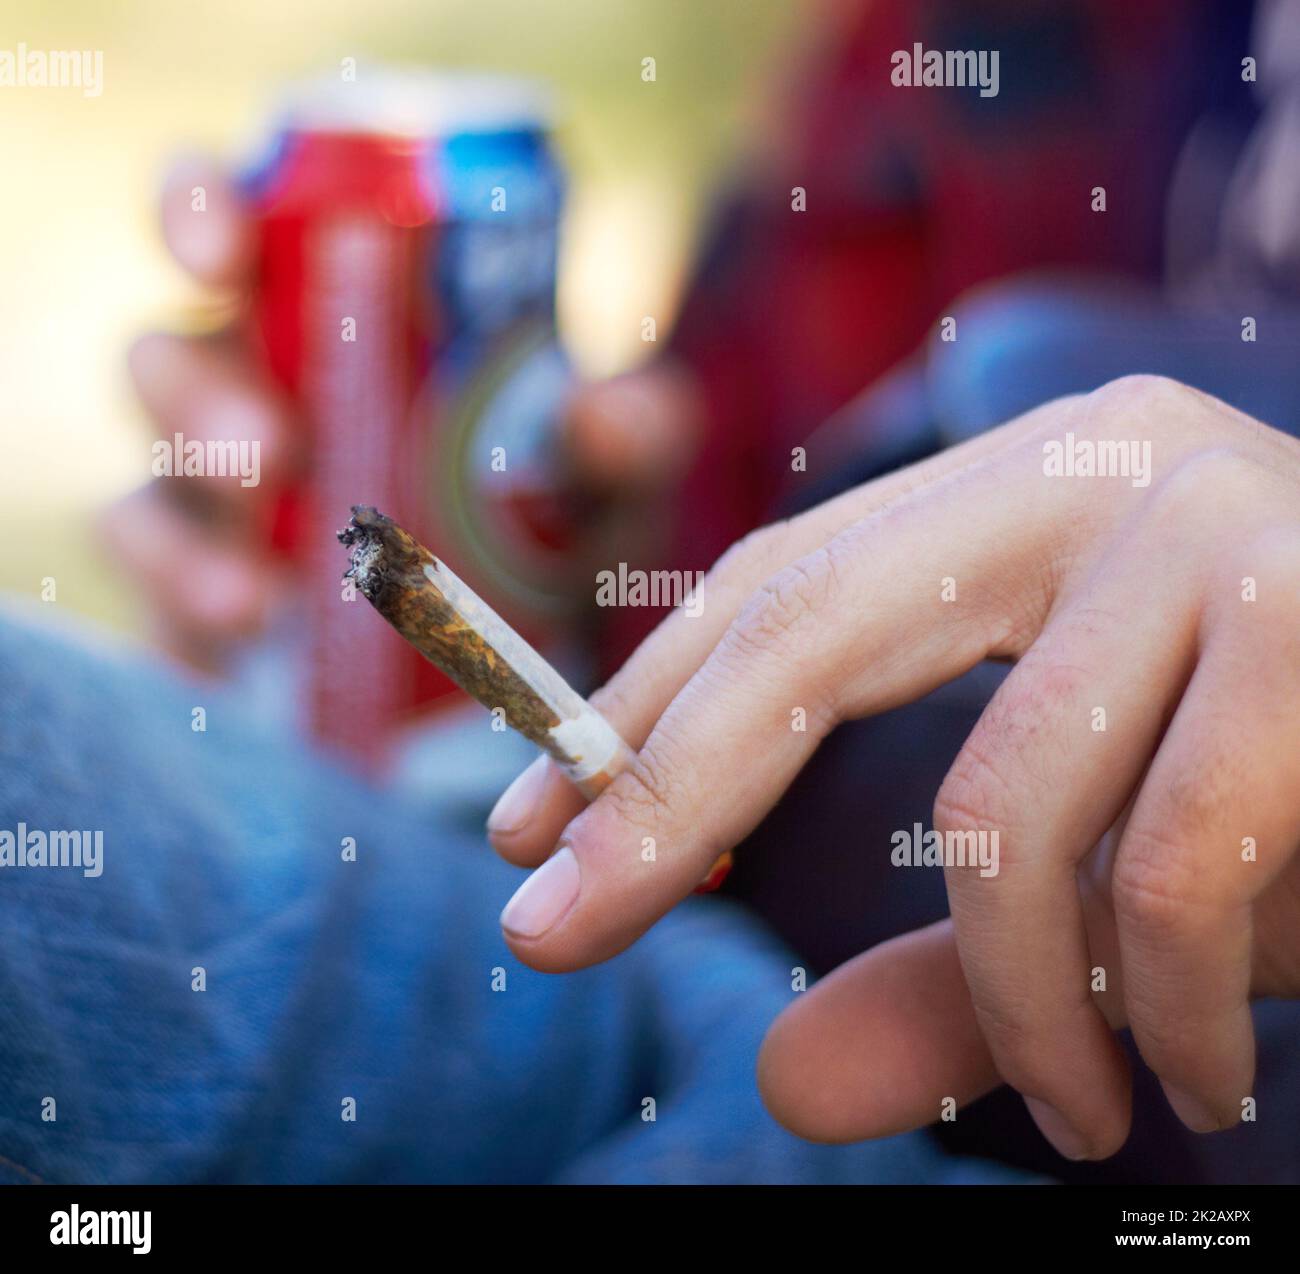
1161, 848
197, 546
194, 545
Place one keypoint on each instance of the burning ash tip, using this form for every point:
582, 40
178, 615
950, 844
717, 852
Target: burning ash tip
366, 523
381, 551
365, 535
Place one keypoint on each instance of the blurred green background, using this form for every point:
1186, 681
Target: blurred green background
84, 269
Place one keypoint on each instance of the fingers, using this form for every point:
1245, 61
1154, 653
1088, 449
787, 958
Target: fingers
1215, 823
206, 590
525, 828
206, 390
517, 832
839, 632
206, 387
852, 628
891, 1041
1048, 768
205, 224
887, 1043
190, 539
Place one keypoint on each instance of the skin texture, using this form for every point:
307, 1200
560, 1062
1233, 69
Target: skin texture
1122, 848
1119, 849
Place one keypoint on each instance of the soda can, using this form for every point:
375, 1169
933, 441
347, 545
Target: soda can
408, 227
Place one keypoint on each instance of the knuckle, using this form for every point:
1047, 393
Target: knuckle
1044, 687
788, 602
1210, 472
1271, 558
973, 794
1151, 886
1167, 413
1144, 900
639, 795
1150, 396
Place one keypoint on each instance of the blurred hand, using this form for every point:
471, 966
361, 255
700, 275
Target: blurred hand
1160, 848
197, 546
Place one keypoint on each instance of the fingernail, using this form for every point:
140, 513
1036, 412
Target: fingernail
516, 804
544, 897
1191, 1110
1058, 1130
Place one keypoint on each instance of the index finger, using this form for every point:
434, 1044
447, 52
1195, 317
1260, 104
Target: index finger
534, 810
856, 626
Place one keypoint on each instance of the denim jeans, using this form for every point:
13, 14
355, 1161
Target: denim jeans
237, 995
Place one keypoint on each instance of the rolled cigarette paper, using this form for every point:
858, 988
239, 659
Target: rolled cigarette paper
456, 630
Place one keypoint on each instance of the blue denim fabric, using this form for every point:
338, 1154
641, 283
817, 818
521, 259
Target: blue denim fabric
328, 979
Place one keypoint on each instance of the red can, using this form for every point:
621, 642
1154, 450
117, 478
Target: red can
408, 230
